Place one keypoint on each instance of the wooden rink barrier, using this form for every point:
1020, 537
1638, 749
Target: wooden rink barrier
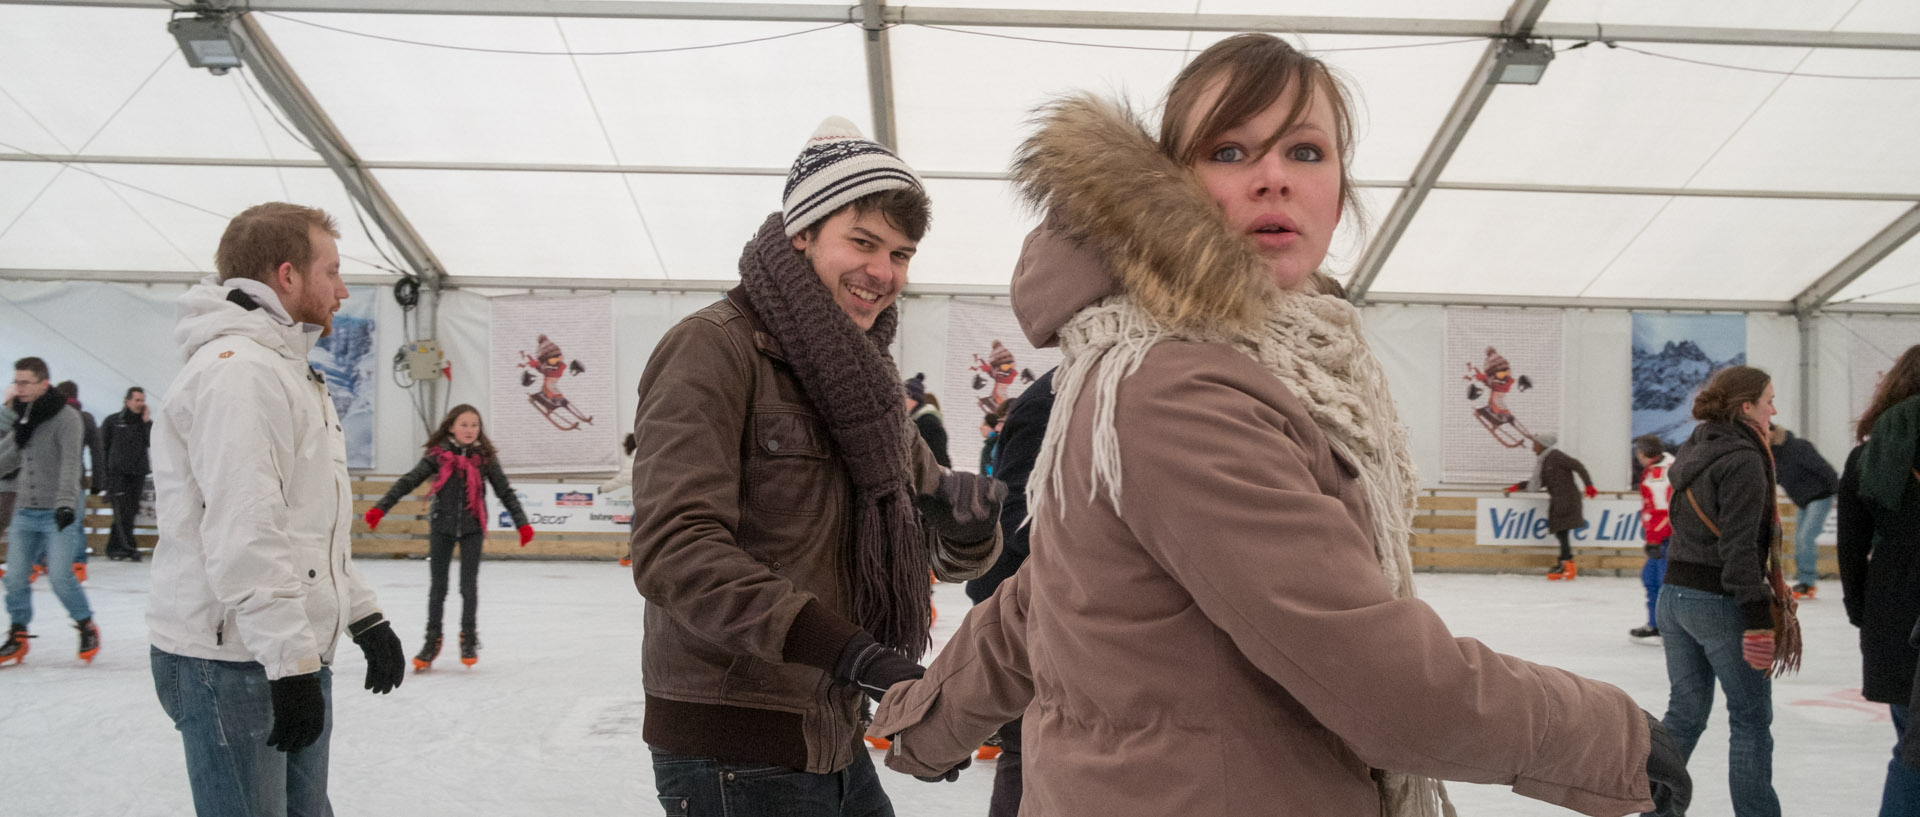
1443, 538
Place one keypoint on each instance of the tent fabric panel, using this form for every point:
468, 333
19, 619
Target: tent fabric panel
525, 224
157, 217
1895, 280
1740, 249
1823, 15
1472, 242
715, 107
113, 81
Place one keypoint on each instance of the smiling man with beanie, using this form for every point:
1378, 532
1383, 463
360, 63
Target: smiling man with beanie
786, 513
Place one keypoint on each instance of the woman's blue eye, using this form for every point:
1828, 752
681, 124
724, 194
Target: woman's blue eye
1229, 153
1307, 153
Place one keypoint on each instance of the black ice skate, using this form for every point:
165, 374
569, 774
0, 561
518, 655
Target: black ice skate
429, 650
15, 647
469, 648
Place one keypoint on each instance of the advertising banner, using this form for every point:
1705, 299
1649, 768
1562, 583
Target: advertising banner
1521, 519
1673, 355
566, 507
550, 376
989, 363
345, 358
1503, 383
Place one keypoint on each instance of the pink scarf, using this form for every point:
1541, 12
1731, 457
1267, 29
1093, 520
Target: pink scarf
469, 465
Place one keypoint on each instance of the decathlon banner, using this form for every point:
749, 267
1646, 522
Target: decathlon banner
1501, 385
566, 507
1521, 519
989, 363
550, 377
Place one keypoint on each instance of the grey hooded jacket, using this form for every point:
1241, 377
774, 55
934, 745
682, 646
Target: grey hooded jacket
1724, 469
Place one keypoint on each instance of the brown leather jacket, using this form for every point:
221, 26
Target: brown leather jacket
742, 521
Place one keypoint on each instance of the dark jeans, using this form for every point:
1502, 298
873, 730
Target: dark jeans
1007, 777
439, 552
1702, 633
1900, 797
706, 787
123, 493
1566, 548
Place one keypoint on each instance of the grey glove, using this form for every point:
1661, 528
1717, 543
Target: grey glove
964, 508
1667, 772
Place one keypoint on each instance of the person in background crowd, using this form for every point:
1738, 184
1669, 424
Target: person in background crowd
990, 426
1878, 501
1553, 472
253, 575
1810, 483
124, 437
458, 458
622, 480
93, 476
786, 514
923, 408
1715, 612
40, 442
1656, 492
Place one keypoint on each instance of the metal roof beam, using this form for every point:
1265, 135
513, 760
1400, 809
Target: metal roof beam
1554, 302
879, 73
286, 90
1878, 247
1027, 18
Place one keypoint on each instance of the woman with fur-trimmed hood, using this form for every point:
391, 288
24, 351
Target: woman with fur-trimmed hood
1218, 615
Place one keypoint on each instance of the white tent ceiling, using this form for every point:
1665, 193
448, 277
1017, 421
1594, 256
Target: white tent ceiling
1750, 154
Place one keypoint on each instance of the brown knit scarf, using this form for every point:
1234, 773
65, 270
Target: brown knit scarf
852, 381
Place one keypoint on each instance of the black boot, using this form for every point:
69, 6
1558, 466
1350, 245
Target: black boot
429, 650
15, 647
469, 647
89, 639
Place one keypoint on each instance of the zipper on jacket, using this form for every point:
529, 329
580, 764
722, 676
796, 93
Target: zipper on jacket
333, 532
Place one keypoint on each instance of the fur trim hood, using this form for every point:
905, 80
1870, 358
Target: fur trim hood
1122, 217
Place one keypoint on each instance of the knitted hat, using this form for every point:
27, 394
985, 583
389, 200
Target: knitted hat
838, 166
1546, 439
917, 387
1000, 355
1495, 362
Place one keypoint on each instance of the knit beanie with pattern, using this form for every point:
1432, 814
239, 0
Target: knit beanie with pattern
838, 166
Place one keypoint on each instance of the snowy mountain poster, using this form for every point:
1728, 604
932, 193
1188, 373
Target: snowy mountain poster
989, 363
550, 377
1502, 384
1673, 355
345, 358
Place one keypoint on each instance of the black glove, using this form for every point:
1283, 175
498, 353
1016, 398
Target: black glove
869, 665
964, 508
949, 775
1667, 772
386, 662
299, 712
62, 518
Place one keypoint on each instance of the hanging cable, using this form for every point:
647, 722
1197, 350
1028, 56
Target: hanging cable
1730, 67
1167, 49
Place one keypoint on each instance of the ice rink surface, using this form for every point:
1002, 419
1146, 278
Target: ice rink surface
549, 721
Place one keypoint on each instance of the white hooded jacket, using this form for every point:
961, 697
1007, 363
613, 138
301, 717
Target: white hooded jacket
252, 493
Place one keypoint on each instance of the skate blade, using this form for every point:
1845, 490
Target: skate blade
469, 661
421, 666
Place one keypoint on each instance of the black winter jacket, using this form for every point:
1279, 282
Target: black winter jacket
1804, 474
1880, 583
1019, 449
125, 438
450, 515
934, 430
1725, 470
1566, 506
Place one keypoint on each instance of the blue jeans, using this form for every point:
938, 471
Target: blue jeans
1701, 632
1901, 795
1806, 528
1651, 575
224, 711
706, 787
32, 536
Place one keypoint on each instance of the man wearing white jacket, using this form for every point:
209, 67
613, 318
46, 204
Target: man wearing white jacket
252, 576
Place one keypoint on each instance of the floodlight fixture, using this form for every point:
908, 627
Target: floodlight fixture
1523, 61
203, 38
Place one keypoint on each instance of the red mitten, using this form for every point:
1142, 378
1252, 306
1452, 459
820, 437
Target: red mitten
1756, 646
373, 517
1592, 492
1511, 488
526, 534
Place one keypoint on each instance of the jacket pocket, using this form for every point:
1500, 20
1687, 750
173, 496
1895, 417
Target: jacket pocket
788, 466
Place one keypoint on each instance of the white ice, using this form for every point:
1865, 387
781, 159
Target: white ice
549, 721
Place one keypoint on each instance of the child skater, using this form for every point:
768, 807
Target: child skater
458, 454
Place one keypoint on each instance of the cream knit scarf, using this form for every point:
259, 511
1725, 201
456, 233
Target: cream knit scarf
1313, 344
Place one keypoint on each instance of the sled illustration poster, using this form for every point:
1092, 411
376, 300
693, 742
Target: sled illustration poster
550, 375
988, 363
345, 358
1502, 383
1872, 347
1673, 355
